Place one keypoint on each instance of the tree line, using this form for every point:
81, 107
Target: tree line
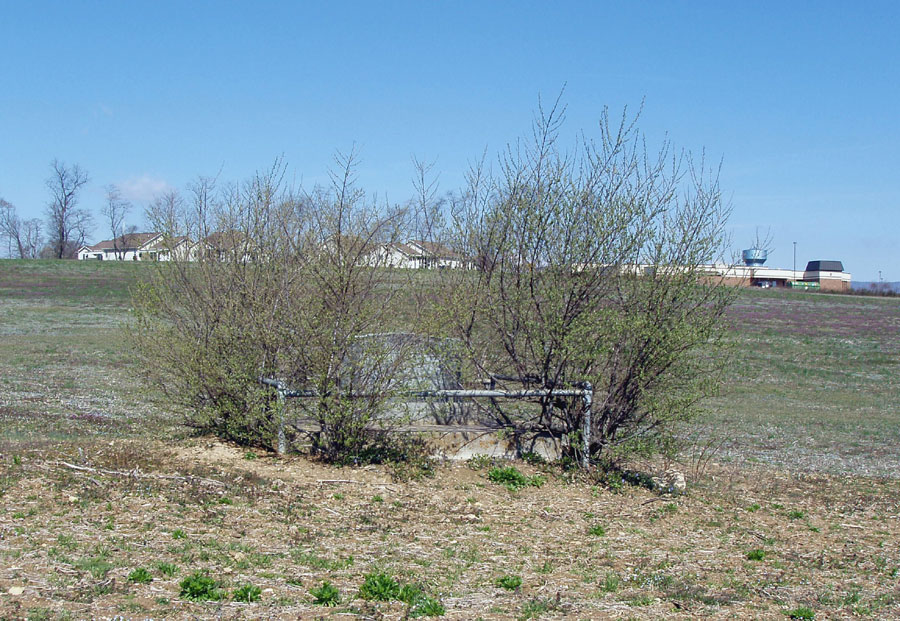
67, 223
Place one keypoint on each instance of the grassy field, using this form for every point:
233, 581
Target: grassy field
796, 511
815, 383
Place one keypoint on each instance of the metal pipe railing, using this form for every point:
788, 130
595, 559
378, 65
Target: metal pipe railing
584, 390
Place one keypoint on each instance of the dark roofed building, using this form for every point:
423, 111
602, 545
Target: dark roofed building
830, 275
824, 266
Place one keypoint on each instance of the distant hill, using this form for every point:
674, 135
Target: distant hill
869, 286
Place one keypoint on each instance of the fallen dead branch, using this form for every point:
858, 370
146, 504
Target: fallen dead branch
330, 481
137, 474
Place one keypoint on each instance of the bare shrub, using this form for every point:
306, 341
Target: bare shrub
283, 286
590, 268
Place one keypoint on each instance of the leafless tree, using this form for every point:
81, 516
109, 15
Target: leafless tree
10, 227
67, 223
428, 207
25, 235
166, 214
204, 197
32, 237
763, 240
115, 210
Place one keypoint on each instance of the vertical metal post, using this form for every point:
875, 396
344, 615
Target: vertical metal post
586, 432
795, 260
282, 443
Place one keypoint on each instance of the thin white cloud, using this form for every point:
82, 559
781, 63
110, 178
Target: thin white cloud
143, 188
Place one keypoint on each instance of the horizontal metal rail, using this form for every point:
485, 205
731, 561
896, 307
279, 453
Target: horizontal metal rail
585, 391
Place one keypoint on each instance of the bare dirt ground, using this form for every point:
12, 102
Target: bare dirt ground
744, 542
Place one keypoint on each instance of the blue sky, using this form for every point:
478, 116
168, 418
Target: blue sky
800, 100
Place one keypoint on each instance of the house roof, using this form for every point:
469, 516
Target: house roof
225, 240
129, 241
434, 249
824, 266
407, 250
164, 242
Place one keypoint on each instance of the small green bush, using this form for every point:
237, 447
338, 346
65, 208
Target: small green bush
97, 565
326, 595
420, 603
508, 476
479, 461
611, 582
613, 481
512, 479
380, 587
167, 569
178, 534
410, 594
614, 478
247, 593
851, 598
753, 508
200, 587
597, 530
801, 612
535, 459
796, 515
756, 555
427, 606
140, 575
509, 582
317, 562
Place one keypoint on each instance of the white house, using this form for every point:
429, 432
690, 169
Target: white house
395, 255
128, 247
224, 246
169, 249
417, 254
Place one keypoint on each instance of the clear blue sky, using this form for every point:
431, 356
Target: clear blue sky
801, 100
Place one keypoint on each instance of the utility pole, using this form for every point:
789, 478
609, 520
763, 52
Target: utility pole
795, 259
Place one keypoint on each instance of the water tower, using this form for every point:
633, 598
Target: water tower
754, 257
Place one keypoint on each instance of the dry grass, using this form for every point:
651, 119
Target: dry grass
70, 538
